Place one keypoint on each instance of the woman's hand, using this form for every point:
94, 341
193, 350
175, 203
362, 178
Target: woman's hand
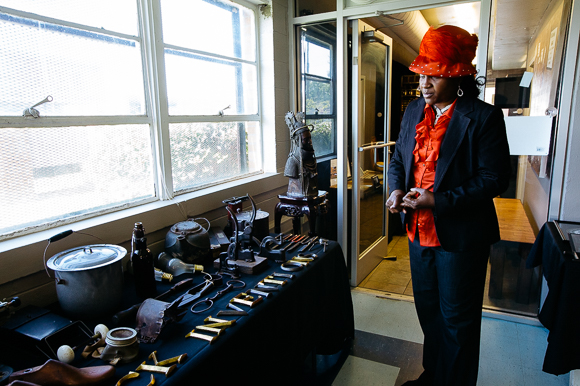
419, 198
395, 200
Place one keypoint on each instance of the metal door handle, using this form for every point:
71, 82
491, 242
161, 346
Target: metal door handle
375, 145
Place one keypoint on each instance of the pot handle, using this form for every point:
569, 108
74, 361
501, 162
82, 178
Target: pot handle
206, 220
58, 279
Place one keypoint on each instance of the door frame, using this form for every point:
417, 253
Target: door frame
341, 16
363, 262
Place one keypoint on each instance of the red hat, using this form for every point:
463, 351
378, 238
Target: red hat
446, 52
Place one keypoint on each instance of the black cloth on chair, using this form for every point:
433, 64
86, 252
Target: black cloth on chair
560, 313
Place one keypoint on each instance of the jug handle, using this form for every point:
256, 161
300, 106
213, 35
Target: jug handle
206, 220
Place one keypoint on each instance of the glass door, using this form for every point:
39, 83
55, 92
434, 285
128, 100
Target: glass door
371, 73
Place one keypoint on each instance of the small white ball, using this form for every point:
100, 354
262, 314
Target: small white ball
65, 354
101, 329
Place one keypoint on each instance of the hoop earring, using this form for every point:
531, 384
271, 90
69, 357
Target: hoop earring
459, 91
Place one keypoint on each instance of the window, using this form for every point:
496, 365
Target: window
129, 121
318, 86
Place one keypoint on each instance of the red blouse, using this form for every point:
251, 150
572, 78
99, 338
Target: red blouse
426, 153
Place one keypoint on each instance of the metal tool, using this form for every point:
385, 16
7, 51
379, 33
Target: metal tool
224, 325
194, 334
152, 382
132, 374
323, 242
217, 331
178, 359
167, 371
234, 307
209, 301
302, 259
283, 238
291, 266
244, 298
210, 319
292, 240
265, 287
232, 313
271, 280
286, 275
153, 357
308, 245
194, 294
301, 262
260, 293
6, 304
298, 242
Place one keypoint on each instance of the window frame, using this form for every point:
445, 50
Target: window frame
303, 77
156, 114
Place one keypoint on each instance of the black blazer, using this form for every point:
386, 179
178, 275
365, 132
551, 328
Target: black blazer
473, 168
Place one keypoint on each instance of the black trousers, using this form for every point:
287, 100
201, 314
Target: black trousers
448, 290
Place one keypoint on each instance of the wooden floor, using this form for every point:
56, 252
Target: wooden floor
513, 221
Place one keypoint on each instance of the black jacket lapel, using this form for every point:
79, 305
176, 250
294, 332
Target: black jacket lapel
453, 137
417, 116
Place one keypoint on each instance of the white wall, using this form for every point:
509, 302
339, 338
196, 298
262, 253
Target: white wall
570, 204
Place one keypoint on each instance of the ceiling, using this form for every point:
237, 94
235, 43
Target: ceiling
513, 23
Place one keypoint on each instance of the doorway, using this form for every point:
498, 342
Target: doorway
391, 275
537, 43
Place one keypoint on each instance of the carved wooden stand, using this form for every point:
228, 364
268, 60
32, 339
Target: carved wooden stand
296, 207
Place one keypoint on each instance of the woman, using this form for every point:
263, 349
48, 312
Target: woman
450, 160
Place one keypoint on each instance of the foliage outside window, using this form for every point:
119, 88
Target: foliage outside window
118, 105
318, 85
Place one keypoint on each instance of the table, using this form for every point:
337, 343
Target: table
561, 310
312, 313
517, 234
297, 207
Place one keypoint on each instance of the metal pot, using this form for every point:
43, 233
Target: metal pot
89, 279
188, 241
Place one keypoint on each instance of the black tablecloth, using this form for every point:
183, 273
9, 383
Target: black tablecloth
560, 313
312, 312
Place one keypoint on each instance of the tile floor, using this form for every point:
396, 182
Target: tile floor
388, 345
394, 276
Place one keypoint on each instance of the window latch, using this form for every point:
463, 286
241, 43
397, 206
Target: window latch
32, 112
221, 112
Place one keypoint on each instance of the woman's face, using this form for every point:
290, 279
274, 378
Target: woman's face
438, 91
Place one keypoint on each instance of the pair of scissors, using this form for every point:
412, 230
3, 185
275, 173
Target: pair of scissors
231, 284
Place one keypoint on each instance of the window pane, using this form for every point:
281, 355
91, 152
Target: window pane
318, 97
317, 59
113, 15
322, 136
49, 174
86, 73
203, 153
213, 26
200, 85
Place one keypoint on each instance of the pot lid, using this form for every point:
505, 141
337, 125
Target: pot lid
86, 257
186, 227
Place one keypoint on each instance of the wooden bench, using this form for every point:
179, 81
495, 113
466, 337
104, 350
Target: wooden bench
515, 232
